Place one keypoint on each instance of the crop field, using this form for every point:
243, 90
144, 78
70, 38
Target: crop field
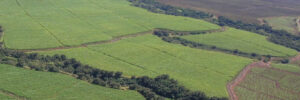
233, 39
286, 23
148, 55
35, 85
33, 24
280, 82
246, 10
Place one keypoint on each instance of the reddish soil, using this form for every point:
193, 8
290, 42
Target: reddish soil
246, 70
241, 76
295, 59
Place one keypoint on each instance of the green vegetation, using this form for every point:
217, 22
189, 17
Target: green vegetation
244, 41
148, 55
270, 84
287, 67
5, 97
156, 88
31, 24
285, 23
45, 86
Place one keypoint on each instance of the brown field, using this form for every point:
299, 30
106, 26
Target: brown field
247, 10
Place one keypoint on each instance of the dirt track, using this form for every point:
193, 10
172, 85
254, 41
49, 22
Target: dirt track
115, 39
241, 76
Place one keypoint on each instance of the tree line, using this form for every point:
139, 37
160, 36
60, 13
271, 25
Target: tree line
157, 88
172, 37
280, 37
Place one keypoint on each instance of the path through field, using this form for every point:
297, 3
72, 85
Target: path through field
115, 39
90, 43
241, 76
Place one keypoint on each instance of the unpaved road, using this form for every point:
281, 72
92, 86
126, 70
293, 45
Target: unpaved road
241, 77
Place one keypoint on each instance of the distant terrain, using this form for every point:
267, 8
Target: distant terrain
246, 10
290, 24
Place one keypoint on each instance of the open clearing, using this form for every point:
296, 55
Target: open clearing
53, 86
33, 24
148, 55
286, 23
280, 82
233, 39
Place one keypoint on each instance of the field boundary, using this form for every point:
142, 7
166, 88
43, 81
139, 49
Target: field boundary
13, 95
115, 39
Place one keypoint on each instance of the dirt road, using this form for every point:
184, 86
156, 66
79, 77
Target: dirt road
241, 76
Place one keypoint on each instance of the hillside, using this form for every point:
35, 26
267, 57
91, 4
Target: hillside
27, 84
115, 49
53, 23
246, 10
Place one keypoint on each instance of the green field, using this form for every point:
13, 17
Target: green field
32, 24
270, 84
148, 55
243, 41
286, 23
53, 86
5, 97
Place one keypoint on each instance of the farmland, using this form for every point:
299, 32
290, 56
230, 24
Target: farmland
246, 10
112, 35
234, 39
32, 24
149, 55
275, 83
35, 85
286, 23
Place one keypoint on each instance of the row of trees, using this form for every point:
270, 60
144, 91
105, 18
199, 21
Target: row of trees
151, 88
281, 37
157, 7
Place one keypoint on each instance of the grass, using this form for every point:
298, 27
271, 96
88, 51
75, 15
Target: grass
287, 67
5, 97
31, 24
270, 84
148, 55
243, 41
286, 23
53, 86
